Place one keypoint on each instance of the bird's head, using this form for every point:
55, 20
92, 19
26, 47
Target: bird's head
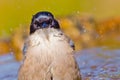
43, 20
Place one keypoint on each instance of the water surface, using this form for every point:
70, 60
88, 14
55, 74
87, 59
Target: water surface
95, 64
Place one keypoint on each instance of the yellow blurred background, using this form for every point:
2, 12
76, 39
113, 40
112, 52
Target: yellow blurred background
19, 12
89, 23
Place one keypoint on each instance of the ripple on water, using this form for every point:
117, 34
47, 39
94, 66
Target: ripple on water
94, 63
99, 64
8, 67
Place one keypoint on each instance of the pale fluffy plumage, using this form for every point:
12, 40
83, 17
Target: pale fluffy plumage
49, 57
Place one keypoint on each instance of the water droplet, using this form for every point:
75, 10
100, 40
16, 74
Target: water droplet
94, 9
11, 29
78, 12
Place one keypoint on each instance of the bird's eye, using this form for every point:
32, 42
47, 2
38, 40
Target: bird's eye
55, 24
37, 23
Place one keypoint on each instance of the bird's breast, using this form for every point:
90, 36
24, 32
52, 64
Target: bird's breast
50, 42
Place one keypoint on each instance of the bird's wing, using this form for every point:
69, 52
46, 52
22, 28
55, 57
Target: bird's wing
25, 47
71, 43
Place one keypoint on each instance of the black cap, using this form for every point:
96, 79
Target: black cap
42, 20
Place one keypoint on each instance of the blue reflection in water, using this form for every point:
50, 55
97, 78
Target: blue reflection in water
8, 67
94, 63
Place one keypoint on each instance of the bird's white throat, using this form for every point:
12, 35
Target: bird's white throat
48, 41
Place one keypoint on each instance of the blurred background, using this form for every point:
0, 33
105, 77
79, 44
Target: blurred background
89, 23
19, 12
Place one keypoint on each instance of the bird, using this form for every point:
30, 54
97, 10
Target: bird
48, 52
